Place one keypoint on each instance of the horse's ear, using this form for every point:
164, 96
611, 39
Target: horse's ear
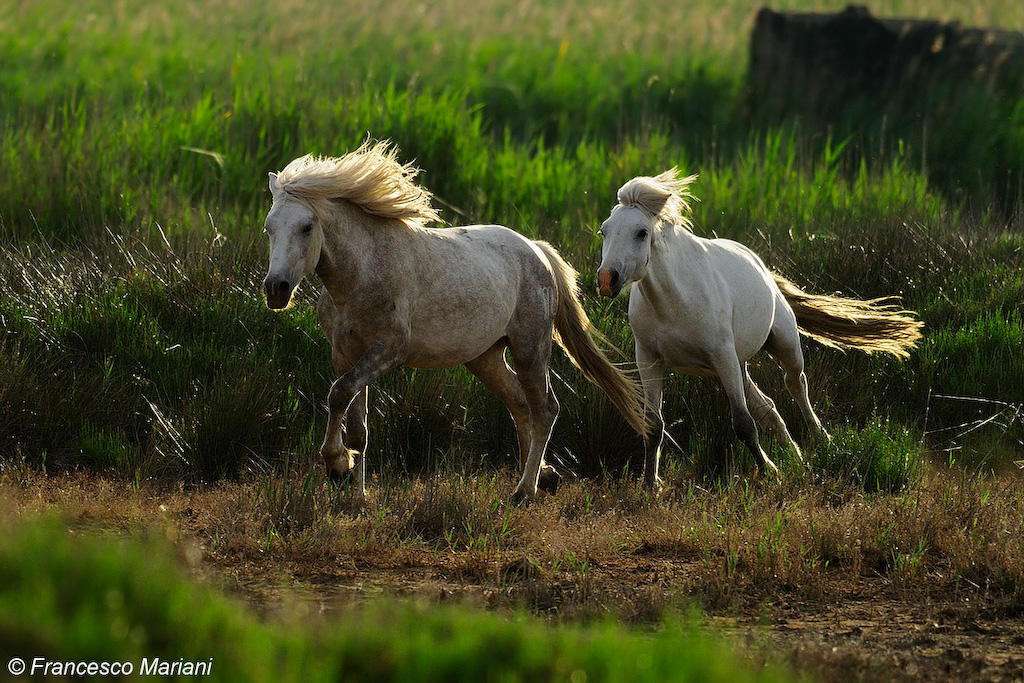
273, 183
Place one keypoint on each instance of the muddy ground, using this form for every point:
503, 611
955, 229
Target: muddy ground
869, 633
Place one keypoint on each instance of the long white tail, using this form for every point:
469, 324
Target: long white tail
576, 335
872, 326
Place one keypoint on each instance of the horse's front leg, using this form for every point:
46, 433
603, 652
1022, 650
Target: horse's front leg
652, 378
344, 448
730, 373
348, 397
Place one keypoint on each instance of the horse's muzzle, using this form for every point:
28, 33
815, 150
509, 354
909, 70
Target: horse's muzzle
279, 293
609, 282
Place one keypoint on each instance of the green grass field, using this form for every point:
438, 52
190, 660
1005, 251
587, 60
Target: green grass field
135, 141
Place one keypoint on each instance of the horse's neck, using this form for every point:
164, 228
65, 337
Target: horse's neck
674, 266
357, 250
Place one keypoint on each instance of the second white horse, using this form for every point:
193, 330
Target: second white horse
706, 307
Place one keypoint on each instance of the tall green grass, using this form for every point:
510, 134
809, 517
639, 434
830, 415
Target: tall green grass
148, 364
123, 118
135, 145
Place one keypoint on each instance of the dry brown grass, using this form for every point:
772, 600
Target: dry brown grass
745, 542
809, 560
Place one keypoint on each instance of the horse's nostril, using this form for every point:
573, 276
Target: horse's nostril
607, 281
275, 288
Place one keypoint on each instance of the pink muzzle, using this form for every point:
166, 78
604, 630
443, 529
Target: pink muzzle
604, 282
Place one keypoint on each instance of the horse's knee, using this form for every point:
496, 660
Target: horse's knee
655, 420
796, 383
763, 410
549, 409
339, 396
656, 433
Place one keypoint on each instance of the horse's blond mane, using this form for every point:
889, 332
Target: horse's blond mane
370, 177
664, 196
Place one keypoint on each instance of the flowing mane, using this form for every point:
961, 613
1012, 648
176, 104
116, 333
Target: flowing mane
664, 196
370, 177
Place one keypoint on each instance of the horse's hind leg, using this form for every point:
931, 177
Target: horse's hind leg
731, 373
491, 368
532, 371
784, 344
767, 415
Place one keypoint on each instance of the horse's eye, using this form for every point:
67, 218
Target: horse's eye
307, 229
642, 235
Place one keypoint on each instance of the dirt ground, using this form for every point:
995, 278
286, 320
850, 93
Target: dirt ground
838, 625
867, 635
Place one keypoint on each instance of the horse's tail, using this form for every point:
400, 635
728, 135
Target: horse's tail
876, 325
576, 335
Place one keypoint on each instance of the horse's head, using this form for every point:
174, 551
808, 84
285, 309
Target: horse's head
626, 250
645, 205
296, 237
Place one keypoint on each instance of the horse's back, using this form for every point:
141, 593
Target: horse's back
475, 285
511, 259
494, 240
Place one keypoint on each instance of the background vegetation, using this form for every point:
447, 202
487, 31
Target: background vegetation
135, 140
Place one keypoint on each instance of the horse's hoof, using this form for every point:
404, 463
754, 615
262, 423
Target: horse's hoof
653, 486
549, 480
520, 499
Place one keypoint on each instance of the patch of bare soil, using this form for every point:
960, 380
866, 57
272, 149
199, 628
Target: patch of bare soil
868, 633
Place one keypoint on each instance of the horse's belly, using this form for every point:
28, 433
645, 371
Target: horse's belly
686, 358
444, 348
434, 358
693, 356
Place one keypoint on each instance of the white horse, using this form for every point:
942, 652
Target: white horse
706, 307
398, 293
